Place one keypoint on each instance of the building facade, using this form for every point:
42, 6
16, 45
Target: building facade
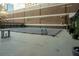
47, 14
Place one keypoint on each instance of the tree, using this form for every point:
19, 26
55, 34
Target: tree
3, 15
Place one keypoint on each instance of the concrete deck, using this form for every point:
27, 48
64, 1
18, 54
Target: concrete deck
22, 44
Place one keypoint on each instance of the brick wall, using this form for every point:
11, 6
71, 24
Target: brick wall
33, 13
33, 21
53, 20
46, 11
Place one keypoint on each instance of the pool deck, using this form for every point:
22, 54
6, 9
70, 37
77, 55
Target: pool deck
23, 44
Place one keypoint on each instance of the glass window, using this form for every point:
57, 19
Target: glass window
9, 7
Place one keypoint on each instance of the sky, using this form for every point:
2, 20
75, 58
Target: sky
12, 1
22, 1
10, 7
39, 1
18, 4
